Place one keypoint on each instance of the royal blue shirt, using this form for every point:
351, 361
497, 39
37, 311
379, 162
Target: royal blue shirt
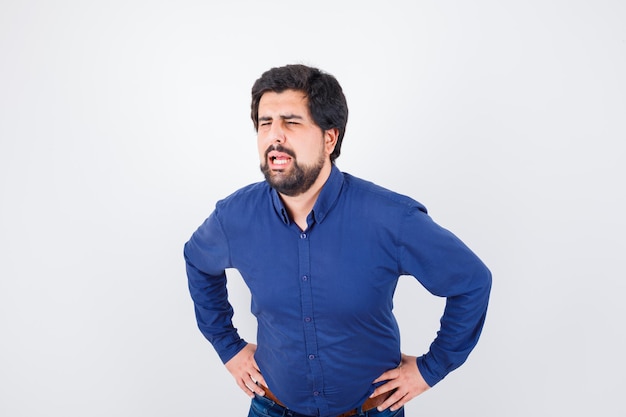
322, 297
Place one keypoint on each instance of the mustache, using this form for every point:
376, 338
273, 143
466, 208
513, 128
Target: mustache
279, 148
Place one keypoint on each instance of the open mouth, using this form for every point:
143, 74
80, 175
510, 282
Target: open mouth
278, 159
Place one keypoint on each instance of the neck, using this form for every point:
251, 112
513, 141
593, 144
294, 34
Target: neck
300, 206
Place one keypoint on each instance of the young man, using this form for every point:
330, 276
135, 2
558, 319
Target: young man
321, 252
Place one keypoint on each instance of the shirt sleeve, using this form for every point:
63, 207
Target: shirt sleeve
446, 267
207, 257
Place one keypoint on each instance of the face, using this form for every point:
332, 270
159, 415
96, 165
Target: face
293, 149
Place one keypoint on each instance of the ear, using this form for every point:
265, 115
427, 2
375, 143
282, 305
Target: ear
330, 140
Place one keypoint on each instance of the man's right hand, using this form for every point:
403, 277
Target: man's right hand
246, 372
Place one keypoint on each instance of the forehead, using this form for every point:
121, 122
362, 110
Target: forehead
292, 100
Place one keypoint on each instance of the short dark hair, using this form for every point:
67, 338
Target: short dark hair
327, 103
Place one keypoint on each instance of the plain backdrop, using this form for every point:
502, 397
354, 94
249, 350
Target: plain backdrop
123, 122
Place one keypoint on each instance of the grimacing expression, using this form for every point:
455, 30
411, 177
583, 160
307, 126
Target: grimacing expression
292, 147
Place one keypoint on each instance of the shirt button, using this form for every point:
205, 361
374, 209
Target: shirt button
307, 319
305, 278
311, 356
302, 235
316, 393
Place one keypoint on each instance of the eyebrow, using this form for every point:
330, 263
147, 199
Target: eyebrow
282, 116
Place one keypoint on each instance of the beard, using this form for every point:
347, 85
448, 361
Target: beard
298, 179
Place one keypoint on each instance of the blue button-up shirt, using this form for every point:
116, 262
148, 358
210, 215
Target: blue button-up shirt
322, 297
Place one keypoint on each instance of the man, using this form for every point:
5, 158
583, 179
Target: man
321, 252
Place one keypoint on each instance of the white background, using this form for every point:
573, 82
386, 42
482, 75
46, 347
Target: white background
123, 122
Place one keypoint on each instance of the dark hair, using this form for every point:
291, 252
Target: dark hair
327, 104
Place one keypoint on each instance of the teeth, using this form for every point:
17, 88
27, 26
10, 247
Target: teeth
280, 161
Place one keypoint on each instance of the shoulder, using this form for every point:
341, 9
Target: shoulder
245, 197
237, 209
371, 193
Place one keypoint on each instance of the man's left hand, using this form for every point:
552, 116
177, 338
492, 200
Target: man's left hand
406, 380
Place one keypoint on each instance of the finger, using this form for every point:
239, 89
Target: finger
247, 382
394, 402
261, 380
253, 388
258, 389
257, 377
391, 374
388, 386
383, 389
244, 387
402, 402
252, 382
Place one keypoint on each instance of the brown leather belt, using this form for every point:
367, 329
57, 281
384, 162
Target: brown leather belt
369, 404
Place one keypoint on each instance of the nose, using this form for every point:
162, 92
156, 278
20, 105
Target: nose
277, 134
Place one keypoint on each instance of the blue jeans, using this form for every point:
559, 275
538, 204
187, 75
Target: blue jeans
264, 407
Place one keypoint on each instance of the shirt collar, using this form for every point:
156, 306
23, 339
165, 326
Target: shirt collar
279, 207
329, 194
325, 201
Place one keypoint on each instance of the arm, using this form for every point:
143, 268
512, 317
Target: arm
207, 257
446, 268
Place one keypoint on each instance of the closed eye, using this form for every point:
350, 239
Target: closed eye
292, 119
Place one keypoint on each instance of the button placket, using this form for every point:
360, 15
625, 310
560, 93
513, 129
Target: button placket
310, 337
